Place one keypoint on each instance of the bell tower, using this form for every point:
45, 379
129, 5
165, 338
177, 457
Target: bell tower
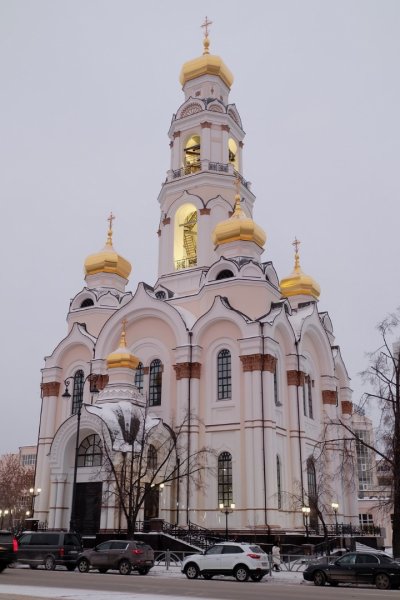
206, 142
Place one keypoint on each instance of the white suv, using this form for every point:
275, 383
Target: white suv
228, 558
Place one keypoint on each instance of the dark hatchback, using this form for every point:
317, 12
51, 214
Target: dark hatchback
8, 549
356, 567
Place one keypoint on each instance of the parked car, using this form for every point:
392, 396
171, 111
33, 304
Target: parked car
356, 567
124, 555
228, 558
49, 548
8, 549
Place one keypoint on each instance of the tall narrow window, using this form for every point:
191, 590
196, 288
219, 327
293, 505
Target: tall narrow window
77, 394
152, 458
90, 452
276, 386
225, 495
139, 377
224, 375
311, 480
155, 383
310, 399
279, 481
192, 155
185, 237
304, 398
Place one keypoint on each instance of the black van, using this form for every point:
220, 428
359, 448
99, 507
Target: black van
49, 548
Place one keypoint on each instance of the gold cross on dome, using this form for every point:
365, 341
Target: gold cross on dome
111, 219
205, 26
296, 245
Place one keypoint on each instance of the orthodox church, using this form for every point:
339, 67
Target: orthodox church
245, 359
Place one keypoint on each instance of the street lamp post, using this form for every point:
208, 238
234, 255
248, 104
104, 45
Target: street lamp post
226, 510
34, 492
66, 394
335, 508
306, 513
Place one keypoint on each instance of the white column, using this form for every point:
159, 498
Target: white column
205, 142
52, 504
59, 507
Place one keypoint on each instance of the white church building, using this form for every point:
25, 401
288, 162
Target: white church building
218, 337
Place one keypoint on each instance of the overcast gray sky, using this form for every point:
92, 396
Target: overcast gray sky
87, 91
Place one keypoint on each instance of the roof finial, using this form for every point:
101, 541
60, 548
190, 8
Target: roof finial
206, 41
110, 232
296, 243
238, 206
122, 341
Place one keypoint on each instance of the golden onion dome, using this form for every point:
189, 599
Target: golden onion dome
108, 260
207, 64
122, 357
238, 227
298, 283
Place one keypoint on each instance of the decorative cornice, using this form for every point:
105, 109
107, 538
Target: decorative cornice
258, 362
347, 407
225, 128
51, 388
167, 221
329, 397
295, 378
186, 369
177, 134
205, 125
205, 211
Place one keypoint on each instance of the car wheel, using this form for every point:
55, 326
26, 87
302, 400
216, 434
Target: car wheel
49, 563
125, 567
241, 573
319, 578
207, 575
83, 565
144, 570
70, 567
191, 571
256, 576
103, 570
382, 581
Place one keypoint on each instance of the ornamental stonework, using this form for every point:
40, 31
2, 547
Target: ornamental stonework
100, 381
205, 211
258, 362
167, 221
329, 397
177, 134
205, 125
295, 378
347, 407
187, 370
50, 388
225, 128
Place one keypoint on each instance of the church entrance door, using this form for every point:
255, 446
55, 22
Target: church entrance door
88, 507
151, 503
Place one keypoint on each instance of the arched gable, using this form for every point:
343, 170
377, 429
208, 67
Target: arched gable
314, 339
219, 314
77, 337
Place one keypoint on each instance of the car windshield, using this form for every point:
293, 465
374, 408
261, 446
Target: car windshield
347, 559
215, 550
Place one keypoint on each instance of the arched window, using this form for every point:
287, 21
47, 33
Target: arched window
139, 375
225, 274
161, 295
87, 302
152, 458
185, 237
192, 155
232, 151
77, 394
90, 452
311, 480
224, 374
279, 481
225, 495
307, 397
155, 383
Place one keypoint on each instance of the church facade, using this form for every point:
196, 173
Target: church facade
247, 359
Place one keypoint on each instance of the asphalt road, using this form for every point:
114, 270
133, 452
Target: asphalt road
159, 584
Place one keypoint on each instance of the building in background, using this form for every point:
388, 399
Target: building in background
218, 336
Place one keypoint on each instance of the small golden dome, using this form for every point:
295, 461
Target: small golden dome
298, 283
207, 64
238, 227
108, 260
121, 357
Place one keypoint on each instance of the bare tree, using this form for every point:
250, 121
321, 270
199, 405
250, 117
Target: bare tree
383, 377
15, 481
147, 453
